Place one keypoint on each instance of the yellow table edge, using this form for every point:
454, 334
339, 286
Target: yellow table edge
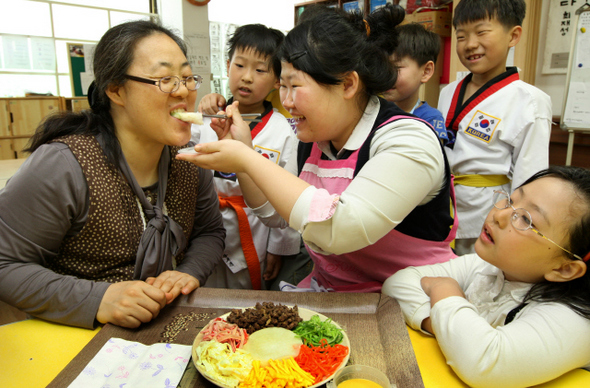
436, 373
33, 352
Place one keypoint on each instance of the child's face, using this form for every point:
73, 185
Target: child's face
482, 46
409, 78
523, 255
250, 79
319, 111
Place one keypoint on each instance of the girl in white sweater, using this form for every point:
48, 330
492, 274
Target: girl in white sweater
516, 313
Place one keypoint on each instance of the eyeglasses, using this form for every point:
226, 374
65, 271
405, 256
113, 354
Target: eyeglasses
521, 218
172, 83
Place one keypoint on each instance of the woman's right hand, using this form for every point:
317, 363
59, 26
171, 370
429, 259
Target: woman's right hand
131, 303
211, 104
234, 127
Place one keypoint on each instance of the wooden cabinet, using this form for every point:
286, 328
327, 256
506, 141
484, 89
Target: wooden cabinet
20, 118
76, 104
6, 151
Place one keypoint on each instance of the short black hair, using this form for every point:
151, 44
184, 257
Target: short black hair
417, 43
259, 38
509, 13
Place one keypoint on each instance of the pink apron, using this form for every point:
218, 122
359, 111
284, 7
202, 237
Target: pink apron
365, 270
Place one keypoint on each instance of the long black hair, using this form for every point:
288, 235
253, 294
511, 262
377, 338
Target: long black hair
575, 293
330, 44
113, 55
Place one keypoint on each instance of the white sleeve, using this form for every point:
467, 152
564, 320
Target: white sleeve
266, 212
285, 241
544, 342
405, 285
405, 169
531, 147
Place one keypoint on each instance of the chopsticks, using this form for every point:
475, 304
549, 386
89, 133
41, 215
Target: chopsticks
246, 116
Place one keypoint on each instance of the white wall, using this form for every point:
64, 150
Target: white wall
552, 84
279, 14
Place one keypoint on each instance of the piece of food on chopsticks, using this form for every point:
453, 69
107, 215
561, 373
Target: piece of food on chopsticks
265, 314
280, 373
314, 330
321, 361
224, 332
189, 117
272, 343
220, 363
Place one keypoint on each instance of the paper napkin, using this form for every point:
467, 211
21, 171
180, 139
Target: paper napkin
122, 363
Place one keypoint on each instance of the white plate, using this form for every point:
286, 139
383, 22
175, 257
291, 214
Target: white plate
306, 315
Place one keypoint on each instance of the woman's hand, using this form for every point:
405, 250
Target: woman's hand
224, 155
438, 288
129, 304
174, 283
234, 127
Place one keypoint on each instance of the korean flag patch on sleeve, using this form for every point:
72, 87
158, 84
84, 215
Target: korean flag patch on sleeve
482, 126
268, 153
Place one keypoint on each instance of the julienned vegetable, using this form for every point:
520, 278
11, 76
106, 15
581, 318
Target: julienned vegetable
277, 374
312, 331
321, 361
224, 332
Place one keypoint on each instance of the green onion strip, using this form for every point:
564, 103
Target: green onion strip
312, 331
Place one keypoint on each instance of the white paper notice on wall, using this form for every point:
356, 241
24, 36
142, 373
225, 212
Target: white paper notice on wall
576, 108
560, 25
43, 54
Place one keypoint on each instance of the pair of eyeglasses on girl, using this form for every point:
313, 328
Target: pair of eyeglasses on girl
172, 83
521, 218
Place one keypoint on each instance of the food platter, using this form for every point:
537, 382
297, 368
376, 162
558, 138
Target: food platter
306, 315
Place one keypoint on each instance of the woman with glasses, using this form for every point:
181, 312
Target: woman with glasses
102, 223
517, 312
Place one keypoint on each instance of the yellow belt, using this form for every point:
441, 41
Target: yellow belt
476, 180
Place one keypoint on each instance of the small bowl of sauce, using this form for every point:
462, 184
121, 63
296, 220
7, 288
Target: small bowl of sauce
359, 376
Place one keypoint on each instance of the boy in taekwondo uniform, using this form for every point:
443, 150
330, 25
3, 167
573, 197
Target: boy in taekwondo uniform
253, 252
498, 125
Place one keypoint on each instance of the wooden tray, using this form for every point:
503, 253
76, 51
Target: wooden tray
373, 322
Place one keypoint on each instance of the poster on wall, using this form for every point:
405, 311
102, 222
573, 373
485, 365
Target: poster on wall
220, 33
559, 35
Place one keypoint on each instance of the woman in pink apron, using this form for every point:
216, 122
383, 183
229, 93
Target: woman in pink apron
370, 188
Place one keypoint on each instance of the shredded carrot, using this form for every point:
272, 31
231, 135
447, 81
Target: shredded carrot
321, 361
284, 373
224, 332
